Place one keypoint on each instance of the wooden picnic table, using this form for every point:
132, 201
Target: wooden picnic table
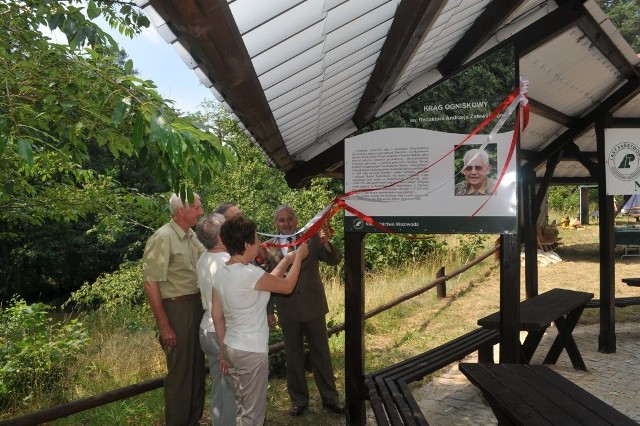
562, 307
522, 394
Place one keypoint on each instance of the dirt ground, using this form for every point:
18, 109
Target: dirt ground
580, 267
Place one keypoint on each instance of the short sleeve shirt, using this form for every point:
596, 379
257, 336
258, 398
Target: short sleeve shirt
244, 307
170, 258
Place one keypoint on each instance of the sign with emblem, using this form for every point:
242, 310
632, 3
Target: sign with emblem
622, 150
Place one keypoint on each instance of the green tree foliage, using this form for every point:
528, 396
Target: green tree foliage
111, 292
564, 200
118, 297
83, 141
255, 186
36, 352
64, 97
391, 250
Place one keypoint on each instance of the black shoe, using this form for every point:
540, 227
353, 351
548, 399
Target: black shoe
297, 410
336, 408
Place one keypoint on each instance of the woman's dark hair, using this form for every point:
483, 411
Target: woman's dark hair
235, 232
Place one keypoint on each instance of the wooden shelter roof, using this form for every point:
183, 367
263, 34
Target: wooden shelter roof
301, 75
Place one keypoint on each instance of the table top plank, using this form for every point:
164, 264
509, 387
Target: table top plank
634, 282
596, 406
560, 395
501, 396
527, 394
538, 312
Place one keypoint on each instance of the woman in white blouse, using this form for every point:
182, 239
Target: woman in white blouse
241, 293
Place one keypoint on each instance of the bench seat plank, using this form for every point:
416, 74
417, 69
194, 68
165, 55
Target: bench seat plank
376, 402
387, 400
388, 389
507, 407
596, 406
554, 405
418, 416
399, 401
417, 367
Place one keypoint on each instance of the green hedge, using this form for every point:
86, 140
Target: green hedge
36, 352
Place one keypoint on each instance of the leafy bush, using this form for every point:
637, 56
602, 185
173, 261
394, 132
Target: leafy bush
389, 250
111, 291
564, 200
119, 296
471, 244
36, 353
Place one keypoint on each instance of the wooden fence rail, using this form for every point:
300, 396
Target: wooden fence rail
75, 407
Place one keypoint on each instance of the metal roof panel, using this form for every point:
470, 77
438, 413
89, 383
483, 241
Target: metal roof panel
275, 29
317, 61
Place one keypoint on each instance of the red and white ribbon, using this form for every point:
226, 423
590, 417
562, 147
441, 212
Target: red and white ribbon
518, 97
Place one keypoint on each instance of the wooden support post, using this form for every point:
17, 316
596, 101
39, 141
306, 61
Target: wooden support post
529, 231
509, 299
607, 337
441, 289
354, 328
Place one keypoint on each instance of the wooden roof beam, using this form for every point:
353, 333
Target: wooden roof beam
592, 166
543, 110
225, 60
604, 44
625, 122
332, 157
552, 163
412, 20
547, 28
491, 19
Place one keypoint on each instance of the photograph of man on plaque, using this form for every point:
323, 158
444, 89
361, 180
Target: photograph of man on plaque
475, 169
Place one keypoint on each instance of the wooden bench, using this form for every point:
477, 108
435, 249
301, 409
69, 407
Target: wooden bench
522, 394
388, 392
620, 302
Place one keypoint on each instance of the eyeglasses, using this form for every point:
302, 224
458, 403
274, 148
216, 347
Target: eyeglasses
476, 168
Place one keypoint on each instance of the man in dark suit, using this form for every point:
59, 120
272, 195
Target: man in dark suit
302, 314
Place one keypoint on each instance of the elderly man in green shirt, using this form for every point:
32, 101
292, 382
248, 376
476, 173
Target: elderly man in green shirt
170, 283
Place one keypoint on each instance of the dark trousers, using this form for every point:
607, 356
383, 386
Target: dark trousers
316, 333
184, 385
